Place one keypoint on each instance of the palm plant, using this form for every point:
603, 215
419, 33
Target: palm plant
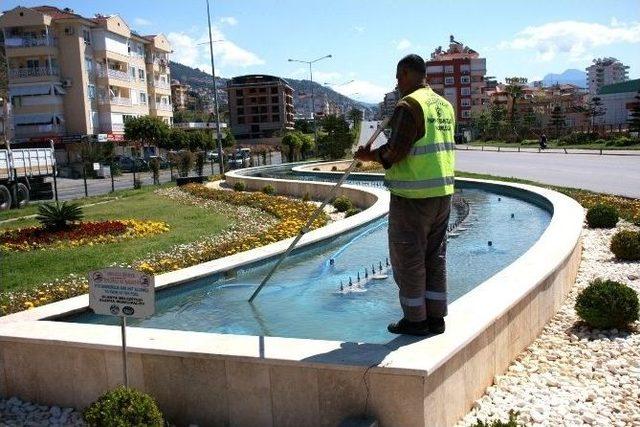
56, 216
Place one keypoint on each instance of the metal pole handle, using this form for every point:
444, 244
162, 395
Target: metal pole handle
320, 208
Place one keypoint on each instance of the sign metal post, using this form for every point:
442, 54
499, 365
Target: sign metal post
122, 292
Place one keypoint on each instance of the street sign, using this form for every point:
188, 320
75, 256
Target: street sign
102, 137
96, 166
121, 292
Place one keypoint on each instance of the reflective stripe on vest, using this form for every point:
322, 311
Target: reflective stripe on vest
428, 169
416, 185
432, 148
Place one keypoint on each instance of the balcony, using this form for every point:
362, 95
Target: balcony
161, 85
115, 100
163, 107
17, 42
113, 74
112, 127
24, 73
29, 130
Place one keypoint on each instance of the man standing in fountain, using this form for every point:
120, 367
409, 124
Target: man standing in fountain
418, 161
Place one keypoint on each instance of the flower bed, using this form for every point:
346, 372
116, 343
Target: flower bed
84, 233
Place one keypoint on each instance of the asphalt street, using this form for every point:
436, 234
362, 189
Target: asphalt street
615, 174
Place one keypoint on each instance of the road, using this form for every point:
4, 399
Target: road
605, 174
615, 174
69, 189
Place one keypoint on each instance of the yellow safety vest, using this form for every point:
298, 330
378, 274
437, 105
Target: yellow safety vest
428, 169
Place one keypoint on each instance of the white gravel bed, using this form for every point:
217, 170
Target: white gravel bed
572, 375
16, 413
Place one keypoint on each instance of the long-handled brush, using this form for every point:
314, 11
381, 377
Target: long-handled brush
320, 208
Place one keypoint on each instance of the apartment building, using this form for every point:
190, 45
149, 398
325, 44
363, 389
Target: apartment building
618, 101
72, 76
259, 106
458, 74
605, 71
388, 104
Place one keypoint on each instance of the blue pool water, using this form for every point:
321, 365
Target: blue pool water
302, 298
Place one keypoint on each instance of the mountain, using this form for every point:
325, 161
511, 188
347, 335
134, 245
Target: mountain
200, 82
571, 76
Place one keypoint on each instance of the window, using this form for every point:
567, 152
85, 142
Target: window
88, 64
275, 118
238, 92
91, 91
274, 90
464, 68
239, 101
252, 100
254, 110
275, 109
141, 74
143, 98
449, 80
263, 109
252, 90
262, 90
33, 63
465, 80
240, 120
465, 102
466, 114
465, 91
255, 119
240, 111
86, 35
448, 69
274, 99
264, 118
262, 100
132, 71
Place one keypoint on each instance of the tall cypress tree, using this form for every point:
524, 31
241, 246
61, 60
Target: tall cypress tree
634, 117
558, 119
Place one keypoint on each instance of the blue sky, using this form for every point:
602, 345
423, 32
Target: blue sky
366, 38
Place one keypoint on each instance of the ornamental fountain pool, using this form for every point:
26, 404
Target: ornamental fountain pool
312, 297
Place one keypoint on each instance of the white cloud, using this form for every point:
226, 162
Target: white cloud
403, 44
194, 51
359, 29
572, 38
365, 90
326, 76
229, 20
141, 22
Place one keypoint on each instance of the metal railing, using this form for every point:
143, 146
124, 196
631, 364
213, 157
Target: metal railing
21, 73
17, 42
161, 85
114, 100
163, 107
112, 127
114, 74
26, 130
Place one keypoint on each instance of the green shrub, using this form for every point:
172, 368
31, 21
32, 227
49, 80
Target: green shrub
58, 216
269, 189
342, 204
607, 304
124, 407
239, 186
622, 141
602, 216
512, 422
577, 138
351, 212
625, 245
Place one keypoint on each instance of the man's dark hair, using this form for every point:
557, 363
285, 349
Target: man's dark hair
414, 63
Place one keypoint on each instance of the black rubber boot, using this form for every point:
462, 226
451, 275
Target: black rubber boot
406, 327
435, 325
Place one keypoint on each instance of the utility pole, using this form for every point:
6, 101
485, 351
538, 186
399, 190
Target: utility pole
215, 92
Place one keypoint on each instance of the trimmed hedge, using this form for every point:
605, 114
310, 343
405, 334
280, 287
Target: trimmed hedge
625, 245
602, 216
606, 304
269, 189
352, 211
239, 186
124, 407
342, 203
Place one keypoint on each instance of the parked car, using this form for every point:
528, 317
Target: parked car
238, 160
127, 163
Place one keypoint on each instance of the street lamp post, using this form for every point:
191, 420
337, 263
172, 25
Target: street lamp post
215, 92
313, 104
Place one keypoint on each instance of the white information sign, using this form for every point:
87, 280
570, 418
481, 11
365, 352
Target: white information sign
96, 166
121, 292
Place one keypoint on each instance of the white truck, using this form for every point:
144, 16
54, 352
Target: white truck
22, 176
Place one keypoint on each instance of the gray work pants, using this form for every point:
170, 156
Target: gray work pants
418, 250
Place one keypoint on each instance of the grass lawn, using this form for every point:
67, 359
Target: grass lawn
187, 224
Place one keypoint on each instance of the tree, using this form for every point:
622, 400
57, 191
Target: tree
306, 145
634, 117
515, 92
229, 140
337, 140
198, 140
177, 140
355, 115
146, 131
595, 109
293, 142
303, 126
558, 120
